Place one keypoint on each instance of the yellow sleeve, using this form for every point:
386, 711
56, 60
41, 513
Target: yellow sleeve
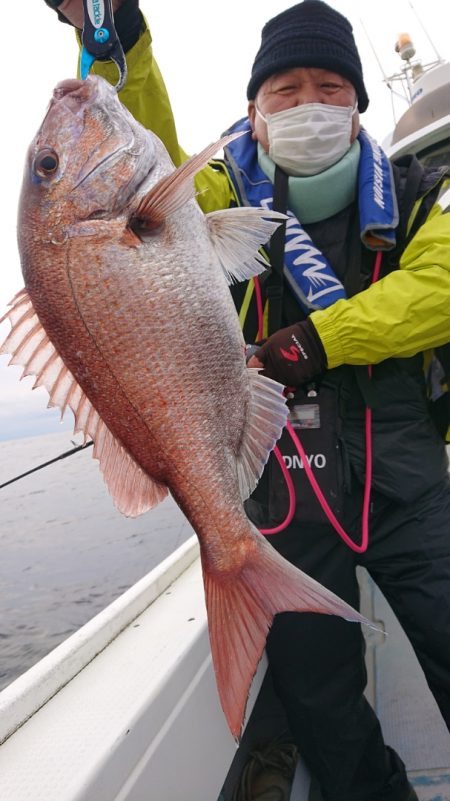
145, 96
406, 312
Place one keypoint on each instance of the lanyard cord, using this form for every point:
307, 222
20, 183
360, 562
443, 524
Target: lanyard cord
313, 481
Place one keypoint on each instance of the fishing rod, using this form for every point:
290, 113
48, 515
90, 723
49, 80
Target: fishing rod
45, 464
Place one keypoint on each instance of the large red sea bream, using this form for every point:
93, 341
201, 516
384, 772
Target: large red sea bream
126, 318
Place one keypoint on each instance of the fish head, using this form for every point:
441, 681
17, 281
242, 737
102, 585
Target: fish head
86, 163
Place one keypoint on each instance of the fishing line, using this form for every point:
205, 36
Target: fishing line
45, 464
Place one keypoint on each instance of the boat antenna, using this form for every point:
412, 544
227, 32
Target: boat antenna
387, 80
385, 77
438, 56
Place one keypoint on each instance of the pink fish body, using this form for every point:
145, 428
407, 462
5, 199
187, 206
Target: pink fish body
126, 318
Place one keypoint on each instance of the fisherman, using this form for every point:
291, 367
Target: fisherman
361, 277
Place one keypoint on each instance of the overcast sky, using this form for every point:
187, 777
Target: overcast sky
206, 75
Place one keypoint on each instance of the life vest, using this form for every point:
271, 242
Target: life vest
418, 190
408, 453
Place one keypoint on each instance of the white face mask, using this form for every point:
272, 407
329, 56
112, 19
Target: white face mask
307, 139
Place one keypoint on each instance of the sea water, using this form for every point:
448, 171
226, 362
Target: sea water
65, 551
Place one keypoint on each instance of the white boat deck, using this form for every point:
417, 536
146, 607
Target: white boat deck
408, 712
409, 715
132, 713
127, 709
397, 690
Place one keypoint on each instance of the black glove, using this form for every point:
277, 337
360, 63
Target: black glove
293, 355
128, 21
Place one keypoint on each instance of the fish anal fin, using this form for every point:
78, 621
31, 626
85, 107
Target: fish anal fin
237, 234
240, 613
133, 491
266, 417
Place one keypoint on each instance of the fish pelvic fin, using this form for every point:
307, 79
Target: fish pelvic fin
237, 234
266, 418
132, 490
240, 610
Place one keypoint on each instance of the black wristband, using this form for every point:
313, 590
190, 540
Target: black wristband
129, 23
314, 343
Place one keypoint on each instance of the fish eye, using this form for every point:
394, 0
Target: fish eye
45, 162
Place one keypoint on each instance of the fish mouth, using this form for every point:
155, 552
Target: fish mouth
70, 102
75, 93
79, 90
88, 158
72, 95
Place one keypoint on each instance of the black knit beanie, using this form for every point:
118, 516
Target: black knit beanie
310, 34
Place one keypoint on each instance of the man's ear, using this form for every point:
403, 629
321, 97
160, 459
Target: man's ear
251, 115
356, 127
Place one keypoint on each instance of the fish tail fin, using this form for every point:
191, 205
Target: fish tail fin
240, 613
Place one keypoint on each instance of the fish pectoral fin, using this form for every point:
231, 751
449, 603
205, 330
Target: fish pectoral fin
237, 234
174, 190
133, 491
241, 610
266, 417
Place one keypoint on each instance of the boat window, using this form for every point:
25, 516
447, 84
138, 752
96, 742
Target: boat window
436, 155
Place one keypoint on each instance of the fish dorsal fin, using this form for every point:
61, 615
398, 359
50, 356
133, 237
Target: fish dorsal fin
133, 491
237, 234
266, 417
174, 190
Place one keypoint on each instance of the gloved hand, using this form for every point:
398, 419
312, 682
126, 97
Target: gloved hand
71, 11
293, 355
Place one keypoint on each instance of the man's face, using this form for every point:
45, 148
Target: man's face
295, 87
